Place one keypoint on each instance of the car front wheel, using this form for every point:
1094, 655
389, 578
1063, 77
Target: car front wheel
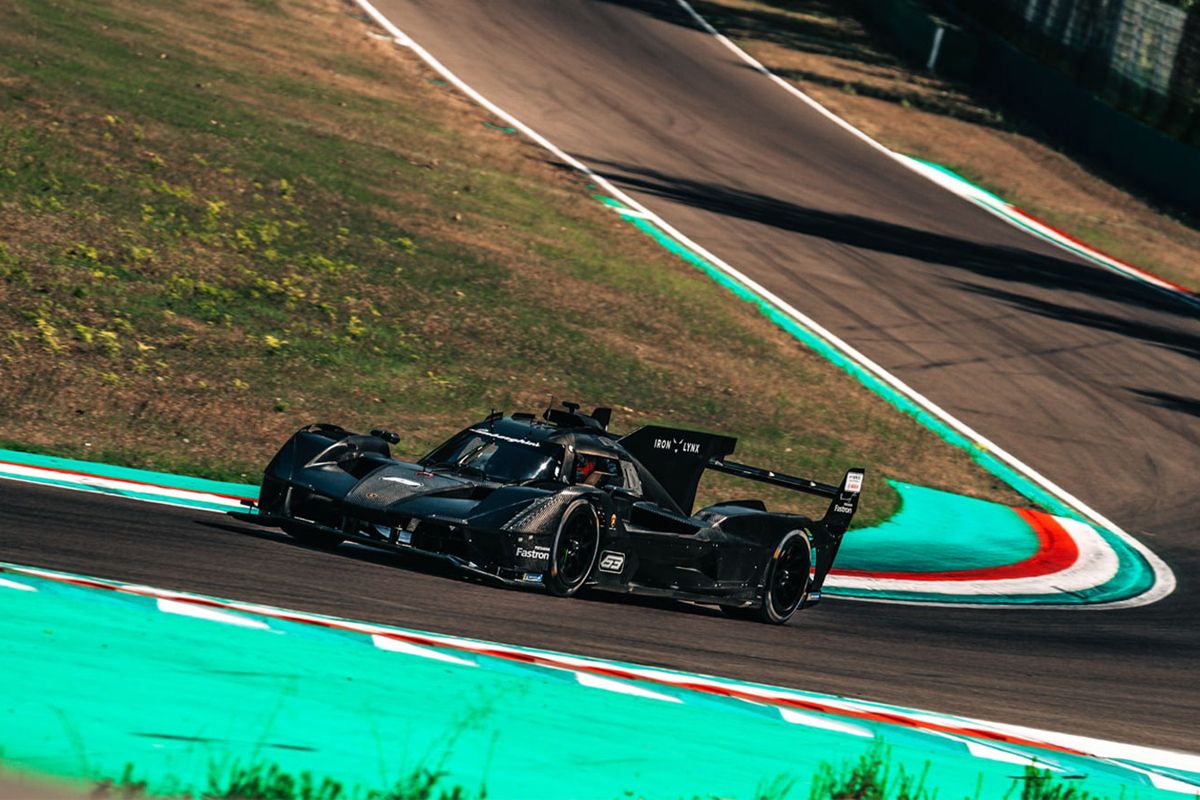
573, 553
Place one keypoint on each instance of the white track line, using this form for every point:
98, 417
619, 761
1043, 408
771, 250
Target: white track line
81, 487
20, 587
993, 753
1164, 582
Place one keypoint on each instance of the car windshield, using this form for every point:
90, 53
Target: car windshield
497, 458
597, 469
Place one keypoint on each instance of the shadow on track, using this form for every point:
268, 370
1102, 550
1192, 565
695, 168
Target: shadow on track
1186, 344
1174, 402
665, 10
822, 29
414, 562
1001, 263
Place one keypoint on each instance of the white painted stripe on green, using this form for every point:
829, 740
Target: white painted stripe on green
75, 486
824, 723
211, 614
593, 681
20, 587
154, 478
393, 645
994, 753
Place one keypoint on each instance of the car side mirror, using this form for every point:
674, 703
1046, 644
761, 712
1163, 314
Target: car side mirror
624, 493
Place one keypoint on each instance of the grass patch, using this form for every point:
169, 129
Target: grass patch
872, 776
222, 222
270, 782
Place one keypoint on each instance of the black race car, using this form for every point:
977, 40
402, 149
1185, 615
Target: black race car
561, 502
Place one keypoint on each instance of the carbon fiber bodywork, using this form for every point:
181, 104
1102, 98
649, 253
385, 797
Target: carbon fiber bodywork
516, 498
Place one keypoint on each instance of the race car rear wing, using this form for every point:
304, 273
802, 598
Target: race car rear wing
772, 477
844, 496
677, 458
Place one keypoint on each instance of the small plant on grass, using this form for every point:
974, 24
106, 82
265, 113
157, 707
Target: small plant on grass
872, 777
127, 787
270, 782
869, 778
1041, 784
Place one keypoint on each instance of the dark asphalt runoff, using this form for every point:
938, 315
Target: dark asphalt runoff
1088, 376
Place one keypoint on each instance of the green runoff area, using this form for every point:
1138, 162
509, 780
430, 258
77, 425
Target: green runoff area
171, 697
222, 222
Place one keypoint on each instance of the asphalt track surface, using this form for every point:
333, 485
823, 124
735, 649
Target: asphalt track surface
1088, 376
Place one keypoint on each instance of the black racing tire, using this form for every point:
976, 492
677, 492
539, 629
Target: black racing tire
574, 550
313, 538
786, 579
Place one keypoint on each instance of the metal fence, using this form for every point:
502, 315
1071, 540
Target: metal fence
1142, 56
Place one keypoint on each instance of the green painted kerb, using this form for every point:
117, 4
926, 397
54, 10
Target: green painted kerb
1023, 220
937, 531
954, 175
94, 680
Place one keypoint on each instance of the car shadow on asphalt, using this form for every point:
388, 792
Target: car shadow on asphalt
433, 567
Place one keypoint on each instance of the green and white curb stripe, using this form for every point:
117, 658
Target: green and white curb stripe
134, 484
952, 181
100, 674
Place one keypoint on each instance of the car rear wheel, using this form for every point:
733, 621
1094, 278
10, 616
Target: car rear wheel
786, 579
573, 553
312, 538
